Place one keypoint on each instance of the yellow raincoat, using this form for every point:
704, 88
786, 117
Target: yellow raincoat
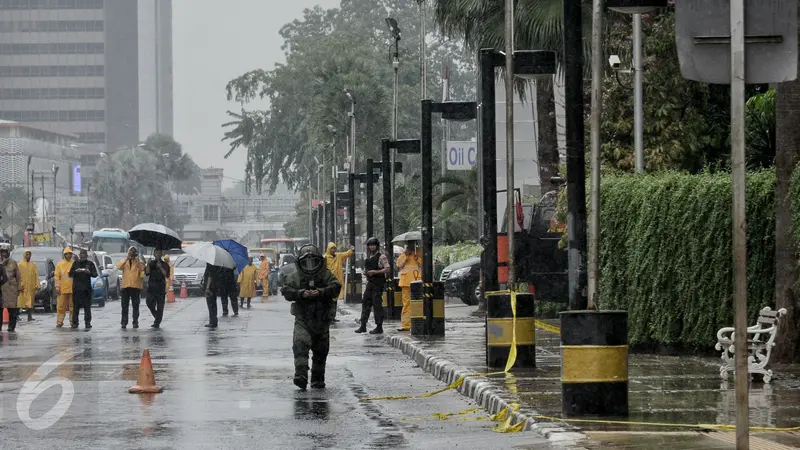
63, 287
409, 265
29, 281
247, 281
263, 275
336, 264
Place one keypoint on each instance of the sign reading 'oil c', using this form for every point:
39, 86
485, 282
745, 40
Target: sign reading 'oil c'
461, 155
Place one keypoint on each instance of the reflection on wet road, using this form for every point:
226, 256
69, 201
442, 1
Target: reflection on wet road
224, 388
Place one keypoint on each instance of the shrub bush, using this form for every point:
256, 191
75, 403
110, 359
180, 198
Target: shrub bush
666, 255
451, 254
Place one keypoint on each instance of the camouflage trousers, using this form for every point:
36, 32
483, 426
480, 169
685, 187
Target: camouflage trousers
314, 337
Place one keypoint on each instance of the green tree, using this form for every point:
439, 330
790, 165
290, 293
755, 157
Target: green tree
179, 168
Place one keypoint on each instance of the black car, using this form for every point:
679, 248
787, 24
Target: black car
462, 280
46, 297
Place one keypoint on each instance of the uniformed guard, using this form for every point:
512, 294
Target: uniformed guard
376, 266
311, 289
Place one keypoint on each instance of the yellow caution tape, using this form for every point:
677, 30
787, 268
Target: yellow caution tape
705, 426
506, 415
512, 354
548, 327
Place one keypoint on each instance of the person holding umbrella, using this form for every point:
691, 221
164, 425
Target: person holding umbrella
214, 279
409, 263
158, 271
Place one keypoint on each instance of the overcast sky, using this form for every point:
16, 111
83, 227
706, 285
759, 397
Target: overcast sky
214, 42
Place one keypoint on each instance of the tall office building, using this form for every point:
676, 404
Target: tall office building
98, 69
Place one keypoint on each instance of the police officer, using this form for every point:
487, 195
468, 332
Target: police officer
376, 266
82, 272
311, 289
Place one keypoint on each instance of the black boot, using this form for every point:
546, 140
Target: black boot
378, 330
30, 315
248, 302
362, 328
301, 377
317, 378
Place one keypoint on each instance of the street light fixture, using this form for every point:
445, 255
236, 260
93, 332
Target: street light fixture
395, 30
637, 8
456, 111
529, 64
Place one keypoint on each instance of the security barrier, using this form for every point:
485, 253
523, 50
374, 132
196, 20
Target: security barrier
510, 325
392, 299
427, 308
594, 363
354, 290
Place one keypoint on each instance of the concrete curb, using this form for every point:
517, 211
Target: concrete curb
482, 391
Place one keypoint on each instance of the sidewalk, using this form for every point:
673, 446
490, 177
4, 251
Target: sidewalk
667, 390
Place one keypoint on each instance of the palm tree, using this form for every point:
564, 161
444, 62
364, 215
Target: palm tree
538, 27
463, 191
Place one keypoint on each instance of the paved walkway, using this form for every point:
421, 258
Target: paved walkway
676, 391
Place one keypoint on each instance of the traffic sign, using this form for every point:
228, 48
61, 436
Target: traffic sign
12, 209
461, 155
41, 237
703, 37
12, 230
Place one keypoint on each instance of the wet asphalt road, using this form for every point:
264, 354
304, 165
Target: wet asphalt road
224, 388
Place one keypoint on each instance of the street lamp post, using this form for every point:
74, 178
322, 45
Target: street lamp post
29, 188
528, 63
55, 196
395, 29
369, 178
408, 146
457, 111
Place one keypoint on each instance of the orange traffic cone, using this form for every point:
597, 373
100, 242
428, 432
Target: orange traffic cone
146, 384
184, 293
5, 315
170, 296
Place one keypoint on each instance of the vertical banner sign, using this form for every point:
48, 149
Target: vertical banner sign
461, 155
76, 178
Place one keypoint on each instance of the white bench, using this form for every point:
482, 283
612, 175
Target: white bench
760, 340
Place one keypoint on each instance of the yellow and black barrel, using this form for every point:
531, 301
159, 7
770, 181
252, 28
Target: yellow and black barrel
427, 308
594, 363
354, 287
417, 309
392, 299
505, 329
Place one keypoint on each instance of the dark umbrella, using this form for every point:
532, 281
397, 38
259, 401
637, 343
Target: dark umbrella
155, 235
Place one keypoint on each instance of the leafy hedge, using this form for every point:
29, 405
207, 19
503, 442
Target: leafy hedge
666, 253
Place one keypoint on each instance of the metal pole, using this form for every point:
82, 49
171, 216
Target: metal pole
597, 109
321, 224
370, 226
638, 135
351, 218
55, 198
426, 137
739, 221
423, 69
388, 167
353, 137
509, 82
391, 174
44, 207
576, 162
488, 150
311, 213
28, 190
445, 139
334, 213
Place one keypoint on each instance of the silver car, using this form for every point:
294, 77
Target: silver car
189, 270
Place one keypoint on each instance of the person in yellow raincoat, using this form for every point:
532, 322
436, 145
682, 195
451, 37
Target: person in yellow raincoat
247, 283
170, 275
64, 286
29, 281
336, 262
409, 264
263, 276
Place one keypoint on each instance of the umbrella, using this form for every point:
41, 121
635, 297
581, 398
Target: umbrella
155, 235
409, 236
211, 254
237, 251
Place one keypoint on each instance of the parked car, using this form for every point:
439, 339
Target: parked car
462, 280
189, 270
38, 253
46, 297
114, 275
100, 282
